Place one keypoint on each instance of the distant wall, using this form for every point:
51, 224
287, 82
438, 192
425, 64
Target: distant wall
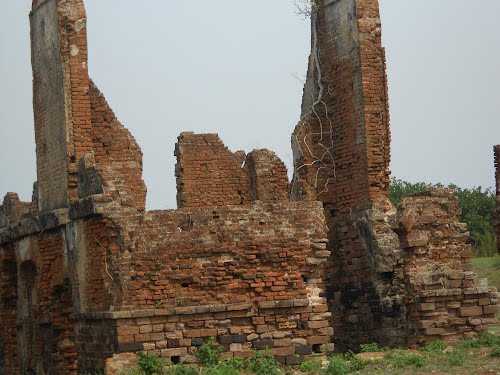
448, 300
497, 178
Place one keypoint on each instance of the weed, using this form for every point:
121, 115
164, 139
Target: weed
435, 347
402, 359
484, 340
311, 366
209, 353
229, 367
488, 340
337, 365
150, 364
354, 363
456, 357
180, 370
263, 363
371, 348
496, 352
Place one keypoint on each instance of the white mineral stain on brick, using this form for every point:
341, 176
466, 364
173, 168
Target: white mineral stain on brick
74, 50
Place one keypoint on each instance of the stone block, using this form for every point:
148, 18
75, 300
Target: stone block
471, 311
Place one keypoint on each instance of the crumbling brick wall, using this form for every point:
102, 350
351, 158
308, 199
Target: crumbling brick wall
268, 176
88, 278
106, 279
118, 157
222, 255
446, 300
208, 174
496, 216
342, 153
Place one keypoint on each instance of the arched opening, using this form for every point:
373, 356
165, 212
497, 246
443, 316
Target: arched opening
8, 303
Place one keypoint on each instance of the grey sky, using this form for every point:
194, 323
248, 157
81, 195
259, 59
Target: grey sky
234, 67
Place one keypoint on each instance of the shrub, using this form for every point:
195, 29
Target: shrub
456, 357
489, 340
484, 340
209, 353
311, 366
477, 205
435, 347
337, 365
371, 348
150, 364
229, 367
221, 369
263, 363
496, 352
180, 370
401, 359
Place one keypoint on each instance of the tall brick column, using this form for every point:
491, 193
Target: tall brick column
344, 130
60, 97
497, 178
383, 260
341, 155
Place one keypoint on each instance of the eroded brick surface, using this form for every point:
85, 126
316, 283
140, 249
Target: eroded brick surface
208, 173
342, 153
497, 211
89, 278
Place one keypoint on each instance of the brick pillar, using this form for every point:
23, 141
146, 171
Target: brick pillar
342, 143
497, 179
60, 97
341, 155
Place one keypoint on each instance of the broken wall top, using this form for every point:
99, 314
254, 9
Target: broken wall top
209, 174
496, 151
72, 119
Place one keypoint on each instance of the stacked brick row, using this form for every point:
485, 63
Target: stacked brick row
447, 301
496, 216
290, 329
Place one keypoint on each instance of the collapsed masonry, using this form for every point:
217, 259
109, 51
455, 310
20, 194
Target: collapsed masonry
88, 277
496, 216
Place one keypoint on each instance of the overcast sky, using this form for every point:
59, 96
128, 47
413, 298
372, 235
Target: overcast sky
235, 67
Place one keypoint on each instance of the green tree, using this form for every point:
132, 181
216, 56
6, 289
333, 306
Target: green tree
477, 205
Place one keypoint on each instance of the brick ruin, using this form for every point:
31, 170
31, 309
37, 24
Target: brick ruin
89, 277
496, 216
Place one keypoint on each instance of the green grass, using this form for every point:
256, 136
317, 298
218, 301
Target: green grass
488, 268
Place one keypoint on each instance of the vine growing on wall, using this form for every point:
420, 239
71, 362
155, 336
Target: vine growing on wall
310, 9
